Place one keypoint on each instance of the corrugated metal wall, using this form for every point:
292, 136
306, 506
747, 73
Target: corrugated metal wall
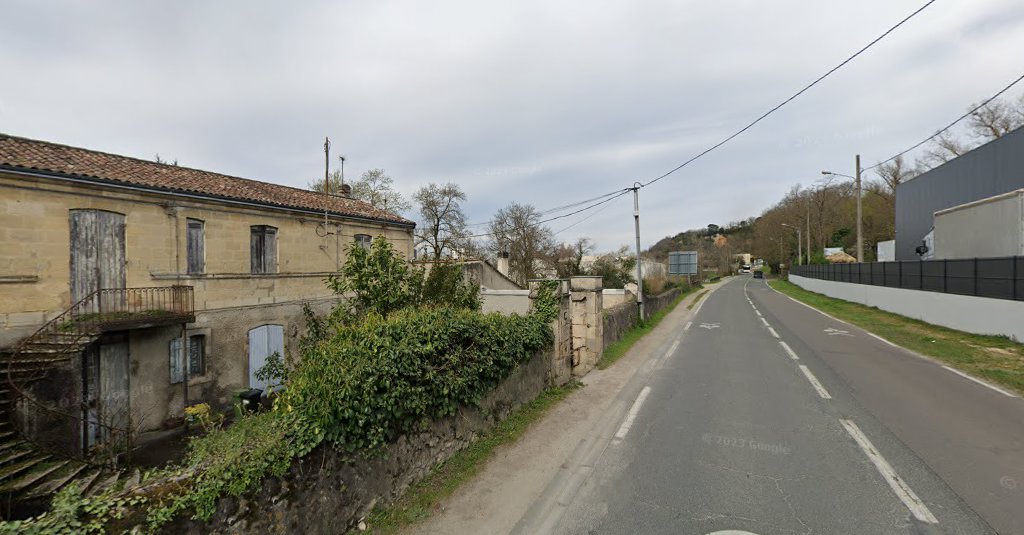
994, 168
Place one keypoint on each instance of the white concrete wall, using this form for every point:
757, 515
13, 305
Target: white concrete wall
505, 301
979, 315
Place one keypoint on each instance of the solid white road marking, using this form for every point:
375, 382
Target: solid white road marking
672, 349
980, 382
814, 382
775, 334
765, 322
628, 422
898, 485
687, 328
792, 354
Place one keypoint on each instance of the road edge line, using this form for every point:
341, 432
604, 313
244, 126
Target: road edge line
896, 483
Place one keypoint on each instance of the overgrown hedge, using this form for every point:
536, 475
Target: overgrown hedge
368, 384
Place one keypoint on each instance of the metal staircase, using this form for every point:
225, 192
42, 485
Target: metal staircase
28, 471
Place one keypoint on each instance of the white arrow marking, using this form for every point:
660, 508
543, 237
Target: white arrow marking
834, 332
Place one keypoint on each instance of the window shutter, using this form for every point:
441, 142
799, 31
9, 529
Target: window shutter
177, 374
195, 247
196, 349
256, 249
270, 251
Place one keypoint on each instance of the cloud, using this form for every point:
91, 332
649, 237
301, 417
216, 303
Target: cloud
528, 101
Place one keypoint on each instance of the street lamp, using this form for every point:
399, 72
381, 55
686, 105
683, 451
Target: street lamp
799, 244
860, 234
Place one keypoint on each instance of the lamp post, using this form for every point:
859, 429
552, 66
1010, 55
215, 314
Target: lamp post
860, 233
799, 244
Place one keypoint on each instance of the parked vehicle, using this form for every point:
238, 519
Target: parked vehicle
759, 274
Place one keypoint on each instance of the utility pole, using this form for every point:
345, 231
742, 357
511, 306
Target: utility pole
639, 270
808, 206
860, 232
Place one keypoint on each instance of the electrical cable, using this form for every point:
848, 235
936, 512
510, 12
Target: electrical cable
950, 125
793, 97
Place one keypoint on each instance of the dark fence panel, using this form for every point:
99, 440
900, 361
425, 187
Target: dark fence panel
998, 278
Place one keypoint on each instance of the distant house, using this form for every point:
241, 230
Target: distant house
992, 169
132, 288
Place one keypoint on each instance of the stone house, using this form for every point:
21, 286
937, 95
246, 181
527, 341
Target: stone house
131, 289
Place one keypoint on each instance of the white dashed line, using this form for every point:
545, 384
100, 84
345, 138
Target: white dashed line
814, 382
687, 328
789, 350
758, 312
980, 382
775, 334
897, 484
765, 322
672, 349
628, 422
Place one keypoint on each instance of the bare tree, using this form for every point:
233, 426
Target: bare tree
443, 226
377, 188
895, 173
944, 147
567, 258
517, 230
996, 119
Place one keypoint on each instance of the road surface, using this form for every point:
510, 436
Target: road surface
758, 414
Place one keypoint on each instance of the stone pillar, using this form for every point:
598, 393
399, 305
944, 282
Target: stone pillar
586, 311
560, 368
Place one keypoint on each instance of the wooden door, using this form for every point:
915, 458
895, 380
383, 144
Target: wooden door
107, 401
264, 341
97, 252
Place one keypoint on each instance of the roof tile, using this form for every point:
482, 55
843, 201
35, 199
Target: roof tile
52, 158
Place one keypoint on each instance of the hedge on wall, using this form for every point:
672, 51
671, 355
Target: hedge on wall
374, 381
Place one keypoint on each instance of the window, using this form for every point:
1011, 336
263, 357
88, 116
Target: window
196, 357
195, 245
364, 240
263, 248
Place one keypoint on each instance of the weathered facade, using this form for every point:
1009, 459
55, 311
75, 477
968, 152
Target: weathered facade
116, 233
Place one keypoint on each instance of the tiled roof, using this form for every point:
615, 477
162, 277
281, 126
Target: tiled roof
51, 158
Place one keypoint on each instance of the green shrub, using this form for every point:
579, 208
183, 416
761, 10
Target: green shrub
446, 285
371, 382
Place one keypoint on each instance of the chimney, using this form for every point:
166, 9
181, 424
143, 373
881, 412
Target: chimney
503, 263
346, 191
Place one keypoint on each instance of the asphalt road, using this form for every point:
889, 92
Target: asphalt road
765, 416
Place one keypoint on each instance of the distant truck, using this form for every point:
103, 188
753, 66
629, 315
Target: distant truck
987, 228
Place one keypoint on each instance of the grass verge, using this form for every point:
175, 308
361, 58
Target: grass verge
419, 501
618, 348
994, 358
697, 300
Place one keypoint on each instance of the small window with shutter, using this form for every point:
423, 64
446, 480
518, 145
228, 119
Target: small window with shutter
263, 249
196, 247
196, 358
363, 240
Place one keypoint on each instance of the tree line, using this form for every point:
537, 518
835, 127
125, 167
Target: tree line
826, 210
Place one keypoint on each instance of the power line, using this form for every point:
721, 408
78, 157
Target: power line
598, 211
950, 125
793, 97
559, 208
619, 193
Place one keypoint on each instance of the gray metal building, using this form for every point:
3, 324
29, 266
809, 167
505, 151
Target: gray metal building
991, 169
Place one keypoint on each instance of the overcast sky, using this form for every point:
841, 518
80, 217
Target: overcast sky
538, 102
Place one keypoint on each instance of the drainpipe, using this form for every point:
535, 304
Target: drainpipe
185, 371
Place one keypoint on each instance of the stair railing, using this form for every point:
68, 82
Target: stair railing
86, 320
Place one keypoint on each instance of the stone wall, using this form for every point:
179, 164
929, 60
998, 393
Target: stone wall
326, 493
621, 318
